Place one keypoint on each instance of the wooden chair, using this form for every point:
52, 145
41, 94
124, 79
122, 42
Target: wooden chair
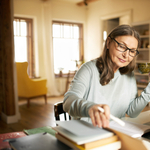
70, 76
58, 110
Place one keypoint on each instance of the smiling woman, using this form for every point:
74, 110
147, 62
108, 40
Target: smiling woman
119, 53
108, 82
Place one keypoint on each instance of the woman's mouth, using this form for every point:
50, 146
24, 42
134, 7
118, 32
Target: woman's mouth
121, 60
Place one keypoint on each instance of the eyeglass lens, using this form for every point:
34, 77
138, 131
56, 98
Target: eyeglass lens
123, 48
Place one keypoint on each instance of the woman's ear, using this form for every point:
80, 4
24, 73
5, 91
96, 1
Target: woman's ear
108, 42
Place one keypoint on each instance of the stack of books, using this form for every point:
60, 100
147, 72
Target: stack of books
81, 135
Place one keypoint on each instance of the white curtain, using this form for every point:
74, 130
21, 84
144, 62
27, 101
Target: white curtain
47, 50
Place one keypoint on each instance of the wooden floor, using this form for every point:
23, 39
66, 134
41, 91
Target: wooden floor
37, 115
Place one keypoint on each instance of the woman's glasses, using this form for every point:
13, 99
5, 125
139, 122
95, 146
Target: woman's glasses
123, 48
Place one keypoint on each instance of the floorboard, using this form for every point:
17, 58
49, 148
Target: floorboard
37, 115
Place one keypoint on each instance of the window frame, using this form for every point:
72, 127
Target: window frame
81, 44
30, 48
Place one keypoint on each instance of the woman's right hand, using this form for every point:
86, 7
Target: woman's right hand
98, 118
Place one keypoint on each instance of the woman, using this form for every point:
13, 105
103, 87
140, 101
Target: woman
108, 82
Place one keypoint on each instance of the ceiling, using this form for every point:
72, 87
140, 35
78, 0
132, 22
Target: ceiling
71, 1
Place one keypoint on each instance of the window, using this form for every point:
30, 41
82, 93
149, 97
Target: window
23, 41
67, 46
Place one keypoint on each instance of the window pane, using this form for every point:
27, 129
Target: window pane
20, 49
67, 31
56, 30
65, 54
23, 28
23, 42
16, 27
20, 40
66, 48
76, 32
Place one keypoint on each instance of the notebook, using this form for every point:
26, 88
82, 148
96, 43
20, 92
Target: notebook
40, 141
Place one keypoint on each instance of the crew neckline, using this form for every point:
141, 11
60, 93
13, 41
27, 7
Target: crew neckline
116, 74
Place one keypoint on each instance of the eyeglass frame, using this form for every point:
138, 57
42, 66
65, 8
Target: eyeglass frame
137, 52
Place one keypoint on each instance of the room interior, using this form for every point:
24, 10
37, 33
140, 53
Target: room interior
95, 17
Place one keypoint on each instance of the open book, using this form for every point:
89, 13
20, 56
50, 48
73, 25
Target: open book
80, 127
132, 129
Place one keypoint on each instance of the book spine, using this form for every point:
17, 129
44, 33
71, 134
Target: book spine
69, 143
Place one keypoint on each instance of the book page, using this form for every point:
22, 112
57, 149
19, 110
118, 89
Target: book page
132, 129
81, 139
82, 128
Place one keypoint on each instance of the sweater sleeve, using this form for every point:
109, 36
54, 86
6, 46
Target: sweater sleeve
137, 104
75, 102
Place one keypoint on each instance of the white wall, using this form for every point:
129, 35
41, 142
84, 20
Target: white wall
99, 9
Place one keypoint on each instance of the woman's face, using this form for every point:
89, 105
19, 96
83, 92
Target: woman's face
121, 59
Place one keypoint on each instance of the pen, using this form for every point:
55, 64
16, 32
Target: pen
119, 121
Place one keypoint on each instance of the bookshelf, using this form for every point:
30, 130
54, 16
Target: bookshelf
144, 56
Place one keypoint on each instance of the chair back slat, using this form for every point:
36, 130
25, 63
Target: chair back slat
58, 110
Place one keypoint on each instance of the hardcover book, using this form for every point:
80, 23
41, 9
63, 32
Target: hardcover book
112, 143
44, 129
5, 136
38, 141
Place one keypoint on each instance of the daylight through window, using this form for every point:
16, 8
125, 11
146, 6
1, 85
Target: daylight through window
23, 43
67, 46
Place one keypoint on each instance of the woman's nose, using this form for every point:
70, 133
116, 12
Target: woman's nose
126, 53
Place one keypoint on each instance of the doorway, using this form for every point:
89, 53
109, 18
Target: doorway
111, 21
109, 25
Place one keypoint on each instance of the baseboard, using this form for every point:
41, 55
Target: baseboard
10, 119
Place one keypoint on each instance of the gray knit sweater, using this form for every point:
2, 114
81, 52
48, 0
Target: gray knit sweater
120, 94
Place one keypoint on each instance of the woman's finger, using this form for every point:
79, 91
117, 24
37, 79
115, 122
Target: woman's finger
106, 111
98, 119
91, 114
104, 120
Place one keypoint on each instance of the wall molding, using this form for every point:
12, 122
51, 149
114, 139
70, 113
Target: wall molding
117, 15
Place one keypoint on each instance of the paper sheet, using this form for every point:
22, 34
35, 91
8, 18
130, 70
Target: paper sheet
81, 128
130, 128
